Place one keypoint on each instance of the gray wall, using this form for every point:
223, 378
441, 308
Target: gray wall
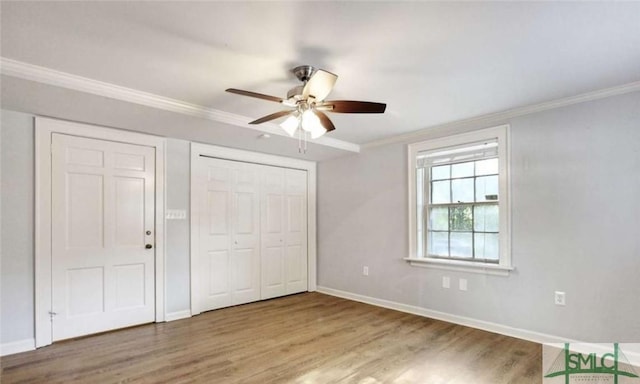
178, 236
17, 207
17, 155
575, 181
575, 219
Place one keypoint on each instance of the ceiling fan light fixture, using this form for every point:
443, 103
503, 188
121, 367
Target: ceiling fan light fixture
308, 117
290, 125
318, 131
310, 121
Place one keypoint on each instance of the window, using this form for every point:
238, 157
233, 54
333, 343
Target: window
459, 202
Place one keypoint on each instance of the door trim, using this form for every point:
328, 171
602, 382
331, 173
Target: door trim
44, 128
197, 150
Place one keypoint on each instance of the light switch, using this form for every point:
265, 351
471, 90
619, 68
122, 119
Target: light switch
176, 214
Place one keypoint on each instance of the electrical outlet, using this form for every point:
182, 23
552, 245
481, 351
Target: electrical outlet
446, 282
560, 298
462, 284
365, 271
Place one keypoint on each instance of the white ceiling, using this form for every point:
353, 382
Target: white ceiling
432, 63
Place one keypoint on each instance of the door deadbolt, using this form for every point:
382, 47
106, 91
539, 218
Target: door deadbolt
148, 246
148, 232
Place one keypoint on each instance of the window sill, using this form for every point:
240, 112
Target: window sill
461, 266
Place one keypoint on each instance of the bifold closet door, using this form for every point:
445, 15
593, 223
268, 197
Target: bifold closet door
272, 236
283, 231
229, 233
295, 231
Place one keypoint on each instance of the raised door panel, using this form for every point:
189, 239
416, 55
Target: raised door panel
245, 213
130, 287
84, 203
84, 291
245, 287
295, 269
129, 161
75, 154
274, 207
218, 206
295, 217
272, 272
217, 290
129, 212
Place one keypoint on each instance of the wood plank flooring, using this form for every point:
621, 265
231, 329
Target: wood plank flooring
305, 338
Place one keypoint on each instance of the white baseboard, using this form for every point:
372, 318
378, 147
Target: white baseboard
524, 334
177, 315
17, 347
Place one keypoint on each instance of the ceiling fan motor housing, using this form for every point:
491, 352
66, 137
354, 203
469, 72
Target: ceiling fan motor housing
304, 72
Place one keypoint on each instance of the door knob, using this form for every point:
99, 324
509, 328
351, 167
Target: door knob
148, 246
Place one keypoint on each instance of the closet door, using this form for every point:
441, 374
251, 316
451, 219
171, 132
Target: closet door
284, 231
295, 238
245, 250
273, 226
252, 232
229, 254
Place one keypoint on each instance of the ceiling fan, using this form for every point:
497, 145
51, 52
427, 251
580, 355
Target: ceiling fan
308, 104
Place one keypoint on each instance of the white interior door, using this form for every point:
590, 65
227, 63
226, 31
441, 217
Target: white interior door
228, 253
273, 230
216, 233
284, 231
245, 257
295, 231
102, 235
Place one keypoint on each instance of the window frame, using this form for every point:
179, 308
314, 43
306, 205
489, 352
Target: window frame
504, 265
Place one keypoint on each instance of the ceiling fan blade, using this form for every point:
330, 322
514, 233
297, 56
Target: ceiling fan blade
324, 120
348, 106
254, 94
272, 116
319, 85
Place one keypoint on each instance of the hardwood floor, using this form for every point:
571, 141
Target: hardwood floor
305, 338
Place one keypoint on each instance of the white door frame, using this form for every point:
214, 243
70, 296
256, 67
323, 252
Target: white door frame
197, 150
44, 128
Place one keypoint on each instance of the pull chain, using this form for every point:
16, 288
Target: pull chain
302, 148
299, 140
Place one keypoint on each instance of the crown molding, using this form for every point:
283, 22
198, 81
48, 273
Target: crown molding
500, 117
26, 71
